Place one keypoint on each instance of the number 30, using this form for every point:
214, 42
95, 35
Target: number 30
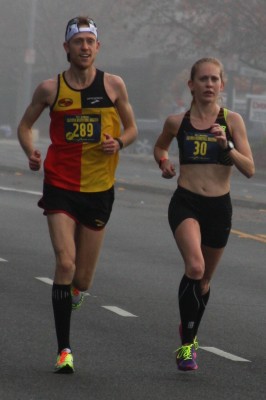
200, 148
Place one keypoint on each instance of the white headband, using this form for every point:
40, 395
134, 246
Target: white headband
73, 29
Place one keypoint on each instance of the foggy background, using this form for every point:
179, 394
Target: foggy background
152, 45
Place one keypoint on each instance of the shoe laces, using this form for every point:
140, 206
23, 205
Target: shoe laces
195, 343
185, 352
63, 355
75, 291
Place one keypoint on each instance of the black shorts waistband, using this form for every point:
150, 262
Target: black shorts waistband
181, 189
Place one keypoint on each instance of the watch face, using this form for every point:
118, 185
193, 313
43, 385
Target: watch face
230, 145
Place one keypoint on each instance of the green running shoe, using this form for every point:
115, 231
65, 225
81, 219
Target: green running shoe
195, 342
185, 359
77, 298
64, 363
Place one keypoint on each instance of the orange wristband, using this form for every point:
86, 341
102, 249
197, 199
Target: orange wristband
162, 160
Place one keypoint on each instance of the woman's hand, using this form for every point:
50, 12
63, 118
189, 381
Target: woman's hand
168, 169
220, 135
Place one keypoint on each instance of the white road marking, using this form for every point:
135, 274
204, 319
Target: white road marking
116, 310
119, 311
224, 354
49, 281
8, 189
124, 313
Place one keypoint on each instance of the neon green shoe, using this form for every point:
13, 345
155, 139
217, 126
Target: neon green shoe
77, 298
185, 358
196, 343
64, 363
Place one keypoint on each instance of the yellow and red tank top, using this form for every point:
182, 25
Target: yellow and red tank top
199, 146
79, 119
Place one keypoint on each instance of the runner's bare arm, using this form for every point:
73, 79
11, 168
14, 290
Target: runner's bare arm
117, 90
241, 155
41, 99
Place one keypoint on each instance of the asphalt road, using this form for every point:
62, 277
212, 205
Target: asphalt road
124, 336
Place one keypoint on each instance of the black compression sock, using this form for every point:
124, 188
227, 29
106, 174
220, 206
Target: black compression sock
189, 303
203, 303
62, 306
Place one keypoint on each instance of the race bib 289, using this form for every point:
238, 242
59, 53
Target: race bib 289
83, 128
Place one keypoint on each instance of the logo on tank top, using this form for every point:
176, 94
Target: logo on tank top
65, 102
94, 100
99, 223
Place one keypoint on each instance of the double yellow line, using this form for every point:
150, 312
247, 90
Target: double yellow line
258, 238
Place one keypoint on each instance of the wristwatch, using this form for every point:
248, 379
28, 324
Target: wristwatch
121, 144
230, 145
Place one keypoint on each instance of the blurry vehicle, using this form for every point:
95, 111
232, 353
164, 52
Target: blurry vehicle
5, 131
149, 130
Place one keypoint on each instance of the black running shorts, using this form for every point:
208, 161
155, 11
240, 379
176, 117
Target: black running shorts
214, 215
90, 209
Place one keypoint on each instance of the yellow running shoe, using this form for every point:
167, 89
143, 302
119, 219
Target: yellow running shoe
64, 363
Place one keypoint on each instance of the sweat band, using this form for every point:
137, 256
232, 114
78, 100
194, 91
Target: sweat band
73, 28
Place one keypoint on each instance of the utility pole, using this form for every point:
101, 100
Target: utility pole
30, 54
232, 67
232, 62
29, 60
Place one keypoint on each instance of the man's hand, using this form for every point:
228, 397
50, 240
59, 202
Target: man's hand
35, 161
109, 145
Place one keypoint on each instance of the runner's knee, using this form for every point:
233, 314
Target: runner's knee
64, 265
195, 269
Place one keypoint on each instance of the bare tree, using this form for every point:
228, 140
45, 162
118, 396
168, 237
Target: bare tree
224, 27
151, 43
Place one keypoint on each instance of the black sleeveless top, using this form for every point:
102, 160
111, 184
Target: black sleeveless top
199, 146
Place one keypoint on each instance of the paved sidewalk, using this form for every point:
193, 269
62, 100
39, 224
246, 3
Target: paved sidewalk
141, 172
